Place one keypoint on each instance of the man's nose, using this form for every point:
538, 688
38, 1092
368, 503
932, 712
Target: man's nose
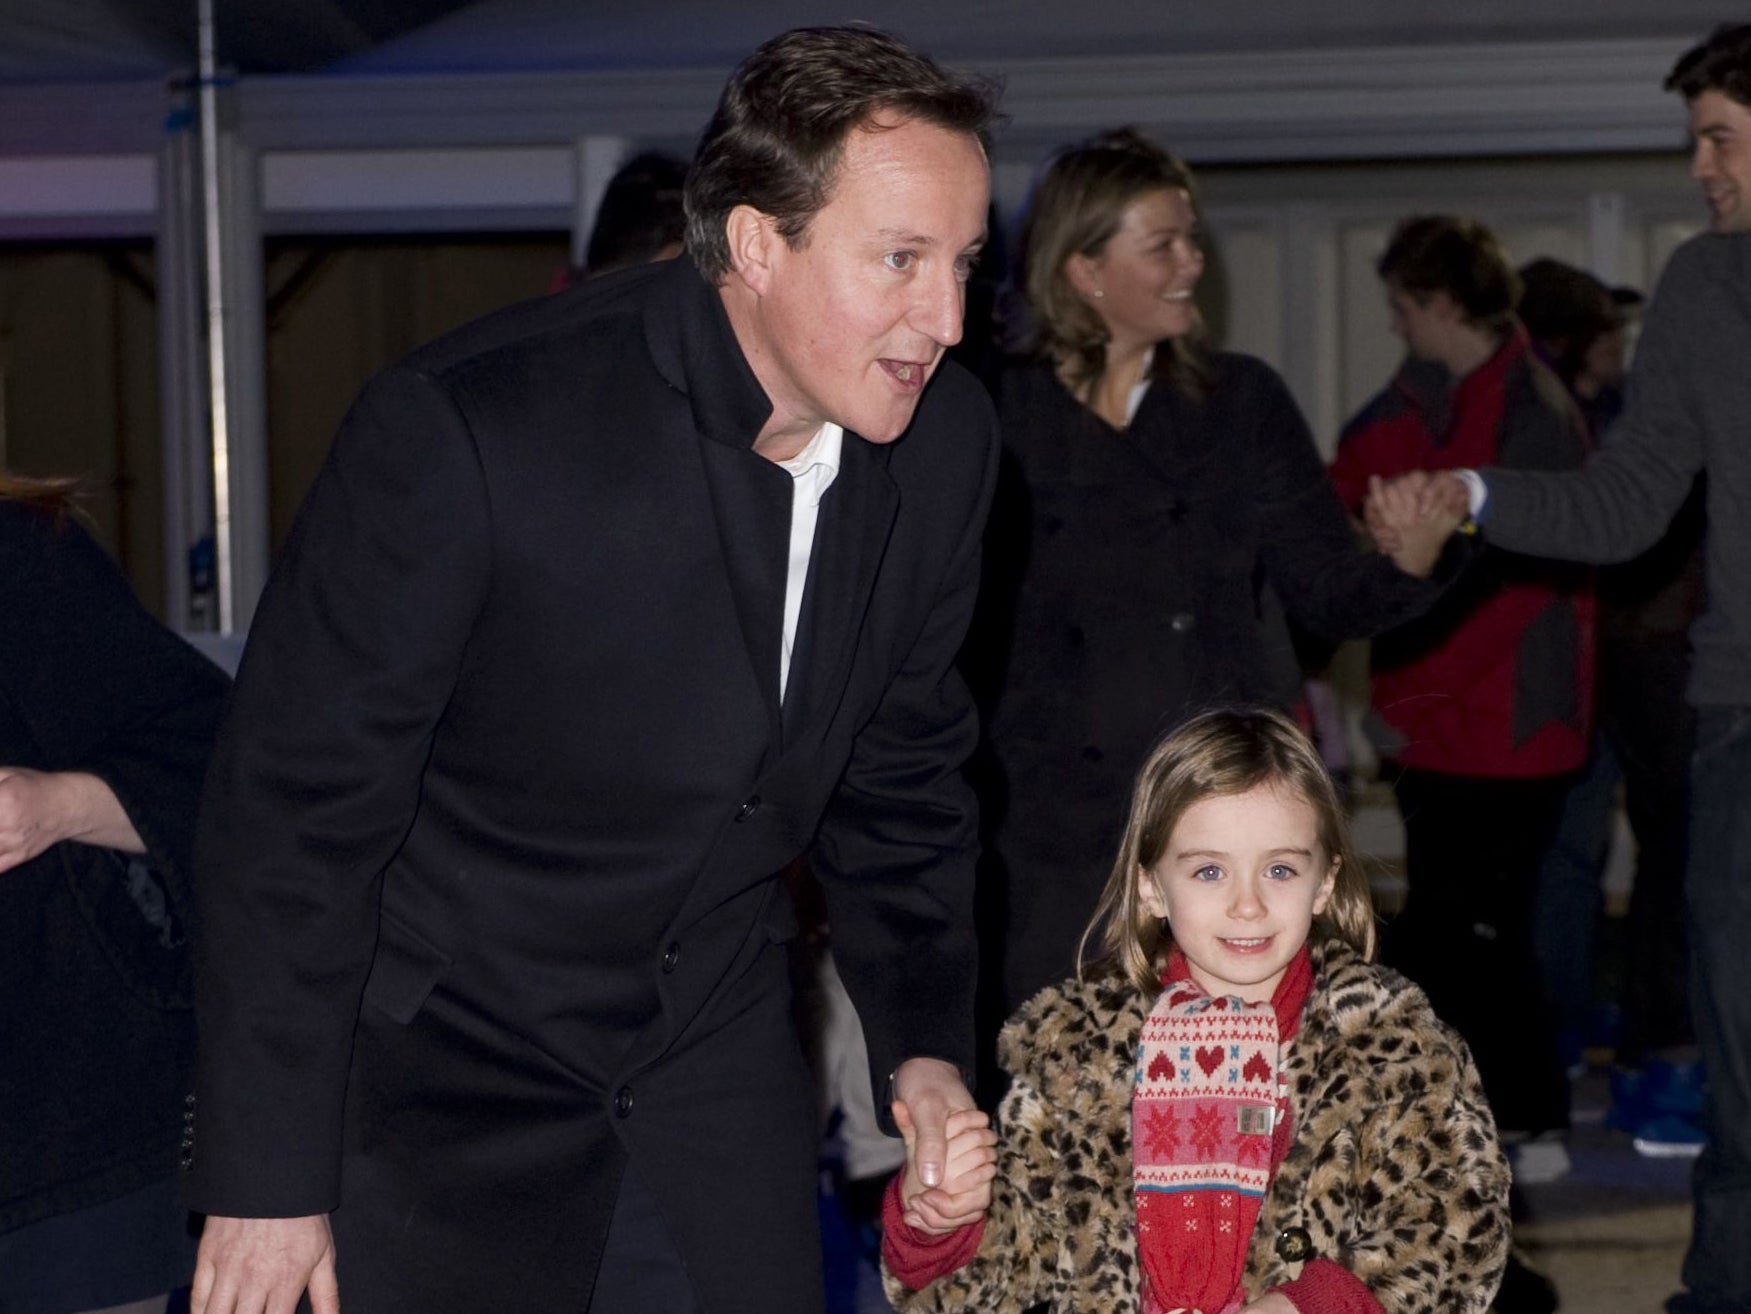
1701, 161
941, 308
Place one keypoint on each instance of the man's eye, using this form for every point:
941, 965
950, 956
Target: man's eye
899, 260
965, 265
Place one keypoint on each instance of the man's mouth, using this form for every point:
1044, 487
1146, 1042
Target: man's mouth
908, 373
1184, 294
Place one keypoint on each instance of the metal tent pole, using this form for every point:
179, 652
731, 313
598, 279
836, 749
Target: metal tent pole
219, 407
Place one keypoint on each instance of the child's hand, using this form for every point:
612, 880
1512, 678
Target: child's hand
965, 1193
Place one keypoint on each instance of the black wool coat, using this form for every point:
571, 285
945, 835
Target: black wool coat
1137, 577
488, 876
96, 990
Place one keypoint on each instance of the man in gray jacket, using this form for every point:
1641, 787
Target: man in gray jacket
1689, 411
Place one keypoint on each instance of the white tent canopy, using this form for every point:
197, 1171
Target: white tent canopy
372, 116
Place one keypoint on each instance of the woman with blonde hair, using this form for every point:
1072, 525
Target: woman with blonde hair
1162, 507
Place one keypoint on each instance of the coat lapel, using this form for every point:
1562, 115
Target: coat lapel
695, 349
750, 497
857, 516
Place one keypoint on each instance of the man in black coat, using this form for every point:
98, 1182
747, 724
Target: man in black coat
603, 610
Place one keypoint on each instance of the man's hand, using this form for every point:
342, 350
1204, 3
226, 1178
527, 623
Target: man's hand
262, 1266
931, 1090
965, 1192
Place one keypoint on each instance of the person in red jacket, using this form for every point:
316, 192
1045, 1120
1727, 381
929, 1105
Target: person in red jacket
1485, 702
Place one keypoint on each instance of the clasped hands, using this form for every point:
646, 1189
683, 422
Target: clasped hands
951, 1151
1410, 517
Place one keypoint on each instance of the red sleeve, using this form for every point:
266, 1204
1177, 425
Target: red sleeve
1327, 1287
1350, 469
918, 1258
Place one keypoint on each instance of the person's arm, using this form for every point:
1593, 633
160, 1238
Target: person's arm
353, 655
1449, 1204
1326, 581
39, 809
1620, 502
121, 712
896, 849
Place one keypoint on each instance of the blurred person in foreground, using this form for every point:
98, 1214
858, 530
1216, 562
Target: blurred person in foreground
106, 719
1161, 507
1686, 413
1644, 737
603, 610
1484, 705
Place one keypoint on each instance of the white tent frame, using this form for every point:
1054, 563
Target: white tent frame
508, 152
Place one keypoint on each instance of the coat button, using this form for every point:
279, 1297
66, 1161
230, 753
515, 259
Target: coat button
1183, 622
748, 808
623, 1102
1294, 1245
671, 956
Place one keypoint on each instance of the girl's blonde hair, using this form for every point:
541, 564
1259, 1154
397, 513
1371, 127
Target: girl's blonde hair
1218, 753
1076, 207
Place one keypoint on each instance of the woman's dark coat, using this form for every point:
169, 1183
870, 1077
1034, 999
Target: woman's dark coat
96, 1020
1135, 577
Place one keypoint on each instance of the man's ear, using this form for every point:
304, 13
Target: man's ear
751, 235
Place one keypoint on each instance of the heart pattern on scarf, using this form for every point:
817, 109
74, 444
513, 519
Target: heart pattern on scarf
1209, 1058
1256, 1069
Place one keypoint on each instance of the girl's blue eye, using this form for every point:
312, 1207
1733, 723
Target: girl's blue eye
1207, 874
1281, 871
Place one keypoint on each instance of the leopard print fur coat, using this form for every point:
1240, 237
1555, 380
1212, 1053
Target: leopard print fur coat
1395, 1171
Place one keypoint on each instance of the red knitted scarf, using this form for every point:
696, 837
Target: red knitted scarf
1204, 1109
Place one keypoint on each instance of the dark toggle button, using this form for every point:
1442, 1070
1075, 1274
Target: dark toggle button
748, 808
623, 1102
1182, 622
189, 1099
1294, 1245
671, 956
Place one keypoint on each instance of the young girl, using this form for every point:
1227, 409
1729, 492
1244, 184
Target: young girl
1232, 1109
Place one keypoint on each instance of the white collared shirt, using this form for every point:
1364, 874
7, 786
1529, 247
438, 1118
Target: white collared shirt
812, 471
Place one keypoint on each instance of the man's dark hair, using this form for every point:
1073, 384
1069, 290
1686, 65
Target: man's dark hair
1448, 253
640, 215
779, 130
1722, 63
